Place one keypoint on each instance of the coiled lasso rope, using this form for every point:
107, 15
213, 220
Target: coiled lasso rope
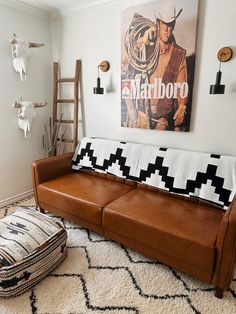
137, 28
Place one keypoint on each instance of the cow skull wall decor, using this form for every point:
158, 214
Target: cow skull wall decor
20, 50
26, 114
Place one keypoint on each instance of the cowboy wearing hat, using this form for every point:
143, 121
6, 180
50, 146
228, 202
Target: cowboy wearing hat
167, 112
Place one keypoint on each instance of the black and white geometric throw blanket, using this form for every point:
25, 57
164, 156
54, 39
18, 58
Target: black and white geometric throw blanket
209, 177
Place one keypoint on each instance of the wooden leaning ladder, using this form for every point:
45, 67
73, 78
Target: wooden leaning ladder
75, 100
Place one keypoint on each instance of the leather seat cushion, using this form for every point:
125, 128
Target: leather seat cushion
180, 228
81, 194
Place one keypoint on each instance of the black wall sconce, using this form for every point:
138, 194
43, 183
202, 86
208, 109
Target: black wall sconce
223, 55
104, 67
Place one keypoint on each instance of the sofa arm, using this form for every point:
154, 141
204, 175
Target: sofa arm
49, 168
226, 249
231, 213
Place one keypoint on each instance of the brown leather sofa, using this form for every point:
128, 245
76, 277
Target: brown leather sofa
143, 218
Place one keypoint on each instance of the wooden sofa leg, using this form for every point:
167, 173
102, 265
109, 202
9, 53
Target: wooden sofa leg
219, 293
41, 210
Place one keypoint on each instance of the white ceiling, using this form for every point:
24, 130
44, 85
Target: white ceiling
51, 5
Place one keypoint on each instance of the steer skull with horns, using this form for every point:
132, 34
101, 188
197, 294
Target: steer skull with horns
26, 114
20, 54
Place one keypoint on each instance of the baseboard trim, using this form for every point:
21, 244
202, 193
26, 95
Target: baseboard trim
16, 198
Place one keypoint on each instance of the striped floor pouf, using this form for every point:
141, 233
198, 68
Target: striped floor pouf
31, 245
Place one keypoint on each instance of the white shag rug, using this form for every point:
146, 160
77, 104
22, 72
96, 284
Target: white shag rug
101, 276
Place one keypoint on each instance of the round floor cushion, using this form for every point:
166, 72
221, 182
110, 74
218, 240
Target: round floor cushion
31, 245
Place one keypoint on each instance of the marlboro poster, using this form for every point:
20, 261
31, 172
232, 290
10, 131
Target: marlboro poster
158, 47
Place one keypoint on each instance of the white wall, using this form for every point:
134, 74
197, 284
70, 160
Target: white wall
93, 34
17, 152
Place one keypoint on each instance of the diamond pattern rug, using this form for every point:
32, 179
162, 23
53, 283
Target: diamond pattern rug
102, 276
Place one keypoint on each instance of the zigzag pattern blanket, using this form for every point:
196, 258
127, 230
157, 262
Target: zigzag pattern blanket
206, 176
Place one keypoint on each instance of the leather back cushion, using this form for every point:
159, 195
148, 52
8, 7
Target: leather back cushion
209, 177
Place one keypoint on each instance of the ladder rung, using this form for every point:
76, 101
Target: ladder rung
65, 121
66, 140
66, 101
64, 80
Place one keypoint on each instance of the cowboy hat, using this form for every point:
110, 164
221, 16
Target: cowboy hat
167, 12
